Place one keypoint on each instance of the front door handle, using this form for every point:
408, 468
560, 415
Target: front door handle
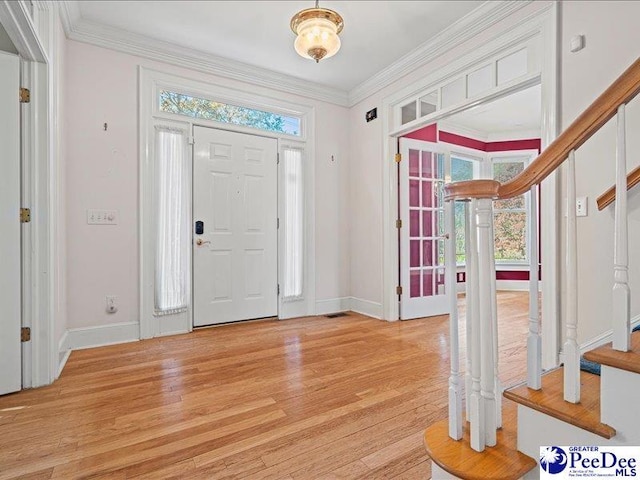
200, 242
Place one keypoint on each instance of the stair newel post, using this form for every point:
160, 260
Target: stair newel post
571, 350
494, 323
476, 400
485, 291
621, 292
534, 342
455, 381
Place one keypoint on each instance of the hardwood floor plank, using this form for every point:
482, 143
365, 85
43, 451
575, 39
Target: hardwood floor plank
309, 398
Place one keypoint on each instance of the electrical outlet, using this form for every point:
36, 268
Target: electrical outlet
112, 306
581, 207
102, 217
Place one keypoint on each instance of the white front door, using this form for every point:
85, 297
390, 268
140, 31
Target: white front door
235, 193
10, 318
422, 241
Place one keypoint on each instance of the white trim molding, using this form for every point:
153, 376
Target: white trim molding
90, 337
81, 30
333, 305
604, 337
366, 307
477, 21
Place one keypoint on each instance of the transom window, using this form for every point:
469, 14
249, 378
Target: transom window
173, 102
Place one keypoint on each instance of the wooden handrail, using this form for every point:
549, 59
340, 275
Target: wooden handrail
608, 197
622, 91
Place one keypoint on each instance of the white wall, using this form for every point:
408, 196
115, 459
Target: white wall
102, 172
612, 39
367, 159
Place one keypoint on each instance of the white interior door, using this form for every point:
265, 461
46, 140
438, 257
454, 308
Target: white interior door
422, 241
10, 361
235, 197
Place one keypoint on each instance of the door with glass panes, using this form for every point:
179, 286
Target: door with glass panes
422, 235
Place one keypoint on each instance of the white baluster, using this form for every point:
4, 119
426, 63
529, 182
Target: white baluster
534, 343
485, 290
571, 350
455, 382
469, 276
476, 400
494, 321
621, 293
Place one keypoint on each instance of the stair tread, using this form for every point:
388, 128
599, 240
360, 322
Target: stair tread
606, 355
503, 461
550, 400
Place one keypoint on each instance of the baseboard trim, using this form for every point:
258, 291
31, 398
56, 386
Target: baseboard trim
366, 307
63, 352
333, 305
604, 338
90, 337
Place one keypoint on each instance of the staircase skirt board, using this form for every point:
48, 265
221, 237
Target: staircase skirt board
549, 400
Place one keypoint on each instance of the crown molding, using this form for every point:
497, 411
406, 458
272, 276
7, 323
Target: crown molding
81, 30
475, 22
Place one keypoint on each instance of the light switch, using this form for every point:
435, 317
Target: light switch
102, 217
577, 43
581, 206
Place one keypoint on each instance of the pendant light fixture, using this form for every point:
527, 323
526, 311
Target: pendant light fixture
317, 31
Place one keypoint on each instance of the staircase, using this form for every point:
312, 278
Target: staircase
486, 437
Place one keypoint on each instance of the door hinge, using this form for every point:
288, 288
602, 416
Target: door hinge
25, 334
191, 141
399, 290
398, 157
398, 223
25, 95
278, 223
25, 215
278, 158
278, 289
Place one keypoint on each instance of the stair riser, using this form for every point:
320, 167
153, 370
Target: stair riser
620, 399
537, 429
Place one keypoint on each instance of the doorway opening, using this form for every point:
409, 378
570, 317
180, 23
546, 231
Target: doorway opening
494, 140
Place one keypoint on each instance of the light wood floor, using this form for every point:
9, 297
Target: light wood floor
311, 398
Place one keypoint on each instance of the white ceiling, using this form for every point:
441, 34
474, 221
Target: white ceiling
376, 33
518, 112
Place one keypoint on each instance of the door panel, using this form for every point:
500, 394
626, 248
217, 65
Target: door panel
10, 319
235, 195
422, 266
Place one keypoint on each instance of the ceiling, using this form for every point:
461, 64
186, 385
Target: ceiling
518, 112
376, 33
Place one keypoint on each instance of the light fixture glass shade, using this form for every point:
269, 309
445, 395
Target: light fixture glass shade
317, 39
317, 31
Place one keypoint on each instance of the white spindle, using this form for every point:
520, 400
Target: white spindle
469, 308
494, 319
621, 294
476, 400
534, 343
485, 291
455, 382
571, 351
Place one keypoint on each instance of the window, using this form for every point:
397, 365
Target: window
172, 102
511, 223
461, 169
293, 222
171, 212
